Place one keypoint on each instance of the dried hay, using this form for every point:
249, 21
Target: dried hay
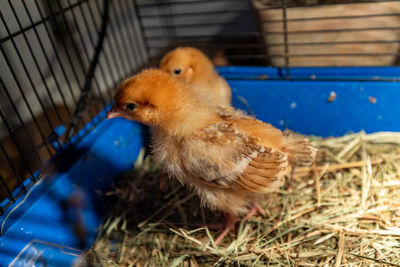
344, 211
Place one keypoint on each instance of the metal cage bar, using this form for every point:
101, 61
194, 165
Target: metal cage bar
55, 48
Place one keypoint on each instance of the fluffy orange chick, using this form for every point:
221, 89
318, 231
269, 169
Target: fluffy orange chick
192, 66
228, 158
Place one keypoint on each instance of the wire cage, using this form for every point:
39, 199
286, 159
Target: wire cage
62, 60
62, 65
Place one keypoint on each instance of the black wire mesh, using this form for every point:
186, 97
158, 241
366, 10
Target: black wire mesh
61, 59
278, 32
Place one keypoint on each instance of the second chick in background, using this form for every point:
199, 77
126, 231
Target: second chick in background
193, 67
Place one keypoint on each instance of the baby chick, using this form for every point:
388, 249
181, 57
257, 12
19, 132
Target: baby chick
228, 158
193, 67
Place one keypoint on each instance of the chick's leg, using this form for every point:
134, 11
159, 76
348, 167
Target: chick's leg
231, 220
256, 208
230, 223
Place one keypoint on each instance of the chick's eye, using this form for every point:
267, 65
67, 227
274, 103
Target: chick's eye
177, 71
131, 106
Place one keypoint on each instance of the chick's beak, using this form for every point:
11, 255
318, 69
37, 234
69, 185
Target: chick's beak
114, 113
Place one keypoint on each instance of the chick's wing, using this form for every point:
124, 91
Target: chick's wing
224, 157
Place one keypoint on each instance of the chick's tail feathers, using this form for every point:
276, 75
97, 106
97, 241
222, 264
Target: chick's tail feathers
300, 151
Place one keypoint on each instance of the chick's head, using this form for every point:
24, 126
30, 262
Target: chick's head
187, 64
152, 97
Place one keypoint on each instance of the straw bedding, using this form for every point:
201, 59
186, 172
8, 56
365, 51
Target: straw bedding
343, 211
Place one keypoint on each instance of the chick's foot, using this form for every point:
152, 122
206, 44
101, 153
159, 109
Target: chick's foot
229, 226
256, 208
231, 221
